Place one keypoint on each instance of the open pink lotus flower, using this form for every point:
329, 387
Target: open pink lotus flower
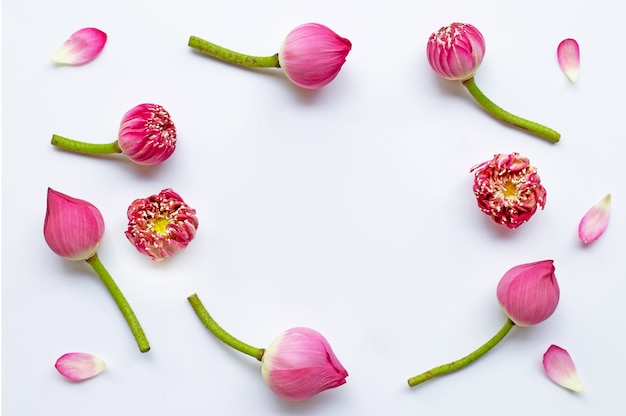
78, 366
560, 368
82, 47
508, 189
595, 221
161, 225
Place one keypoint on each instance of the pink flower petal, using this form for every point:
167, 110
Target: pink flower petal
79, 366
568, 54
82, 47
560, 368
595, 221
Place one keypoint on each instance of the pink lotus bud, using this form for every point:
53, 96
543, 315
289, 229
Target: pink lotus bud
456, 51
161, 225
312, 55
78, 366
83, 46
73, 228
300, 364
529, 293
508, 189
147, 134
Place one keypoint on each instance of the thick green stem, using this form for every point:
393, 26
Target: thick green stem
499, 113
127, 311
465, 361
227, 55
220, 333
82, 147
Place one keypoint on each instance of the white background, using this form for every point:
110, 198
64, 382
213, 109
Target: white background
348, 209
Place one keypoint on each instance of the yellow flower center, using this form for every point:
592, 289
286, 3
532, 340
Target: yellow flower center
510, 189
160, 225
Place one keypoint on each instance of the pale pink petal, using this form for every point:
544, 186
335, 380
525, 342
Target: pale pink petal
79, 365
568, 54
560, 368
82, 47
595, 221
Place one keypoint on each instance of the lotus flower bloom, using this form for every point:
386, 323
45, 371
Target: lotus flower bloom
595, 221
147, 135
82, 47
311, 55
560, 368
300, 364
455, 52
161, 225
528, 293
73, 229
568, 54
297, 365
78, 366
508, 189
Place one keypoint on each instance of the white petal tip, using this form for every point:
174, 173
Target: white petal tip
560, 368
568, 54
79, 366
595, 221
82, 47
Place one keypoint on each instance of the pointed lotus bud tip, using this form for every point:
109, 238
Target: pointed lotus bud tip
595, 221
300, 364
568, 54
83, 46
78, 366
560, 368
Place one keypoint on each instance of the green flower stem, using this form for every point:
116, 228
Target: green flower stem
82, 147
465, 361
220, 333
227, 55
127, 311
497, 112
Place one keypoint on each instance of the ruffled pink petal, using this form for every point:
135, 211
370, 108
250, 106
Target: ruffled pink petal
82, 47
560, 368
568, 54
595, 221
79, 366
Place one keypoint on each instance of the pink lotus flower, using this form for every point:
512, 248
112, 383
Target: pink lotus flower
147, 135
297, 365
73, 228
78, 366
529, 293
300, 364
455, 52
82, 47
595, 222
508, 189
161, 225
568, 54
560, 368
311, 55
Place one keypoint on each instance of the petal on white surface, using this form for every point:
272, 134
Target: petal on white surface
83, 46
568, 54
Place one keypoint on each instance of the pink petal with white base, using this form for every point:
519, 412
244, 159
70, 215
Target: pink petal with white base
595, 221
560, 368
79, 366
568, 54
82, 47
